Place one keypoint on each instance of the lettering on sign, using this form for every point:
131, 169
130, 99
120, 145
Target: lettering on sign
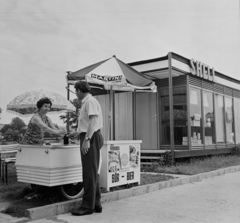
202, 70
107, 78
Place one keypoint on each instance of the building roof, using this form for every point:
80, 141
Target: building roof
183, 60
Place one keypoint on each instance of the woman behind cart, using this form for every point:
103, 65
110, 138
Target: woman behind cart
41, 123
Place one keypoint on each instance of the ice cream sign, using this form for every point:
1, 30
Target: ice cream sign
202, 70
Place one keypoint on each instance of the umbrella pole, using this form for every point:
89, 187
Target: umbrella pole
110, 114
113, 115
68, 97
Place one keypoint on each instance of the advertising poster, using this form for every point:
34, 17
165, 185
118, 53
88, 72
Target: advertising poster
193, 97
133, 156
229, 115
114, 164
123, 164
205, 100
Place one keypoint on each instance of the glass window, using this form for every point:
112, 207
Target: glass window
179, 116
219, 112
196, 117
237, 118
229, 120
208, 118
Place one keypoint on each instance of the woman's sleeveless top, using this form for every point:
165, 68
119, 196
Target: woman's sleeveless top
34, 134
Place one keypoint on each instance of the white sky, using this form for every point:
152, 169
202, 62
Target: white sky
41, 40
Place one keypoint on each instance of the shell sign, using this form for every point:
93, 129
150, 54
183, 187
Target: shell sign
202, 70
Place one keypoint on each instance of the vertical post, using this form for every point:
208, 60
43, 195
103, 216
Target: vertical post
171, 105
157, 118
214, 118
203, 119
234, 119
113, 115
134, 113
224, 118
189, 130
68, 98
110, 119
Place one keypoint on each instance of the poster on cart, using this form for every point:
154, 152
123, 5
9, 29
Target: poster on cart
123, 164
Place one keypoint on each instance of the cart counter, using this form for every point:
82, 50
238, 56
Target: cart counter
49, 165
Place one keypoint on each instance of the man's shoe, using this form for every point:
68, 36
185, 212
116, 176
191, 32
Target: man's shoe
82, 211
98, 208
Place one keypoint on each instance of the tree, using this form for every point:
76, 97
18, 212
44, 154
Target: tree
73, 116
5, 128
14, 131
18, 124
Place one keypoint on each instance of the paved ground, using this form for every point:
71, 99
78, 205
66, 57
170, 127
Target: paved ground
212, 200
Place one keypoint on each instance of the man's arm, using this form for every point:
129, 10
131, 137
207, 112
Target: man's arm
92, 124
89, 133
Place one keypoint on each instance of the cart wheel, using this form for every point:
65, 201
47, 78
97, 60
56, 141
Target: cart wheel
72, 191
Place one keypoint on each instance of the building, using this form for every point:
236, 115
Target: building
202, 113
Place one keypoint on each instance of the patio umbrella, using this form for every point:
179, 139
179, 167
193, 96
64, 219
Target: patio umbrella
113, 74
25, 104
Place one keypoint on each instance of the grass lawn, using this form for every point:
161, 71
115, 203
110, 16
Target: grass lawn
20, 196
193, 166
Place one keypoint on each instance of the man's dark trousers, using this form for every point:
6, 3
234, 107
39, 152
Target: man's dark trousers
90, 164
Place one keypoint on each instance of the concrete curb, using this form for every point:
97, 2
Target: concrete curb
67, 206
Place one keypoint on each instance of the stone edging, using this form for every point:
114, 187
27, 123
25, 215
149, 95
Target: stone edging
67, 206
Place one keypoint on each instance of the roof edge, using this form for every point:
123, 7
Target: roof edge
183, 60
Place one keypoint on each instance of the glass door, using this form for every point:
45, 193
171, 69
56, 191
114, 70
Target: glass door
196, 117
209, 124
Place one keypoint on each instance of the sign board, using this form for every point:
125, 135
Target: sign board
120, 163
202, 70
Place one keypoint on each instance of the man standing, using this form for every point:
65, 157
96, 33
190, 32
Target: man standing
91, 141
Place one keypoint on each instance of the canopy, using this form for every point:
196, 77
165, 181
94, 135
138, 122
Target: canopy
113, 74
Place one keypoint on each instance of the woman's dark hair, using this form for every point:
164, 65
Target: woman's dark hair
83, 86
43, 101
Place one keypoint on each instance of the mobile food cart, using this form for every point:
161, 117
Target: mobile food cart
51, 164
120, 158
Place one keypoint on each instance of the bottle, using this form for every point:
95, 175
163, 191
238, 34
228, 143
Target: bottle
65, 140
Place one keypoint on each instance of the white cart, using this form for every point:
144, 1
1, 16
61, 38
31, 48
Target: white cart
120, 163
51, 165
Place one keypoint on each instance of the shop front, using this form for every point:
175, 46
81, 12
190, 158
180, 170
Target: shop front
204, 109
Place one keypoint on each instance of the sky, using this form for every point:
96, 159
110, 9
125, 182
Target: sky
42, 39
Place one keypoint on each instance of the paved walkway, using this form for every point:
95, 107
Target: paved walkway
212, 200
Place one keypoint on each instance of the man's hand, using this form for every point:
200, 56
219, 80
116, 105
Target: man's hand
85, 146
